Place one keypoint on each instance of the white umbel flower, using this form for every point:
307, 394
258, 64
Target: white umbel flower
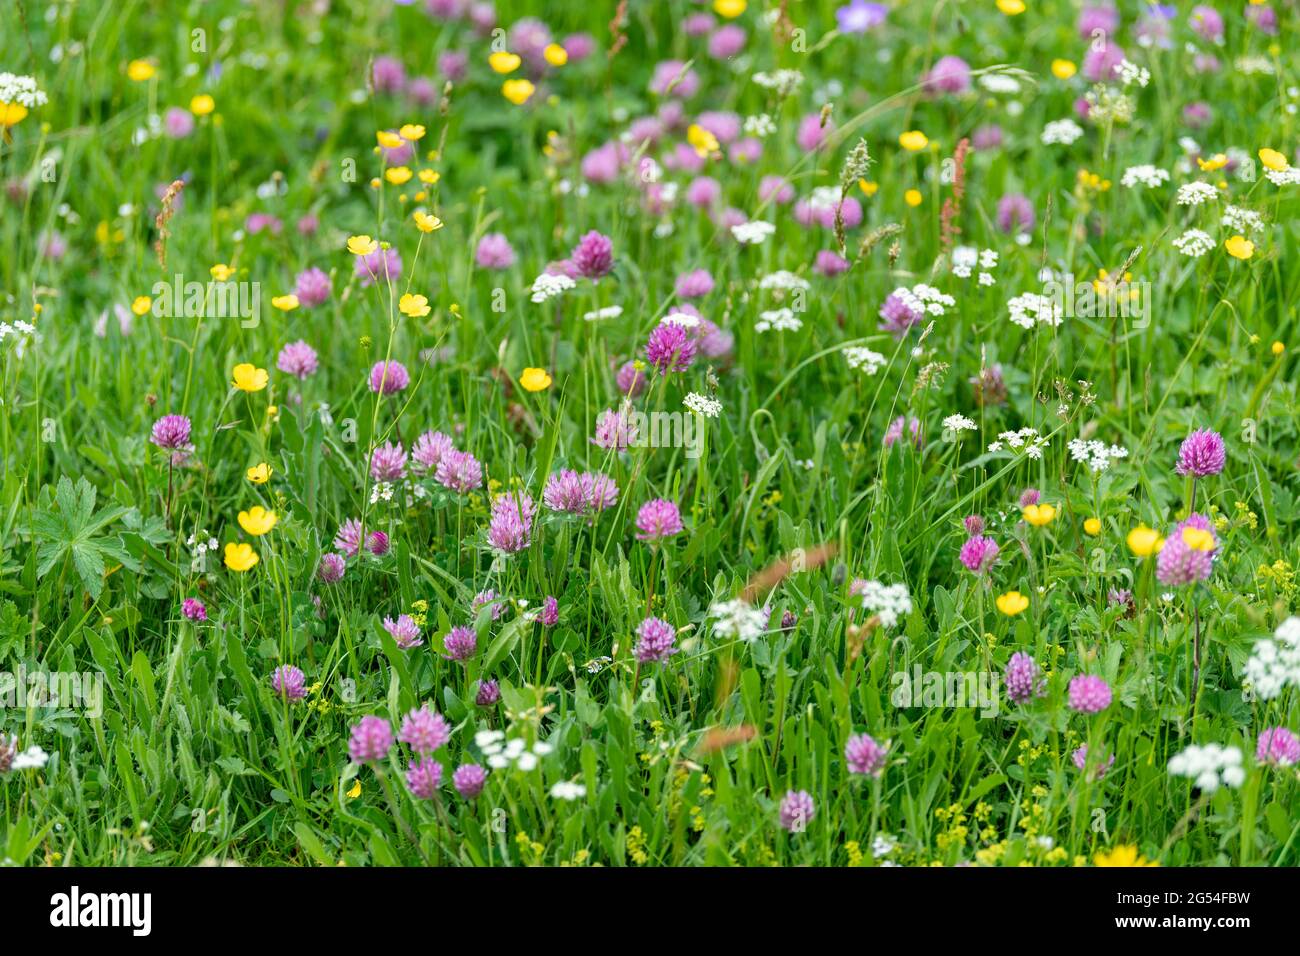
547, 286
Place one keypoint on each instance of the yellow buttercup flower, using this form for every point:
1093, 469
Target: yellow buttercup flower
1122, 856
285, 303
868, 188
1215, 162
535, 379
11, 114
241, 556
704, 143
913, 197
1011, 603
1011, 8
1039, 515
429, 176
141, 304
398, 175
362, 245
555, 54
412, 131
503, 62
1278, 348
257, 520
1239, 247
202, 105
517, 91
356, 790
259, 474
1273, 160
416, 306
249, 378
1198, 539
388, 139
221, 272
913, 141
1092, 527
729, 8
1144, 541
140, 70
426, 223
1063, 69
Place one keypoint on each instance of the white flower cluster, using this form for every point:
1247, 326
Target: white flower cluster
1242, 220
1209, 766
33, 758
966, 258
1194, 243
925, 299
568, 790
1146, 175
1196, 193
1000, 83
784, 82
21, 90
18, 329
1274, 664
1061, 132
862, 358
1130, 73
959, 423
1030, 307
760, 126
1096, 454
1026, 441
1283, 177
889, 602
683, 319
702, 405
784, 281
609, 312
753, 233
783, 320
738, 619
514, 752
547, 286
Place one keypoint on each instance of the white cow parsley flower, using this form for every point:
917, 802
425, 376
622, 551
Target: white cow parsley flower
1194, 243
862, 358
547, 286
1095, 454
1242, 220
1208, 766
1194, 194
1061, 132
889, 602
753, 233
784, 281
702, 405
1146, 174
782, 320
1030, 307
1274, 664
738, 619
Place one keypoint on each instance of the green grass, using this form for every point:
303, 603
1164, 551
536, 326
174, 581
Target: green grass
193, 757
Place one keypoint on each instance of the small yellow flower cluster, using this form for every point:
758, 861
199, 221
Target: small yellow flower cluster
956, 832
528, 848
1281, 575
636, 847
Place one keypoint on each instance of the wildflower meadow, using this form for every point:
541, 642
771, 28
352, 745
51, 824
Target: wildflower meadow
649, 433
